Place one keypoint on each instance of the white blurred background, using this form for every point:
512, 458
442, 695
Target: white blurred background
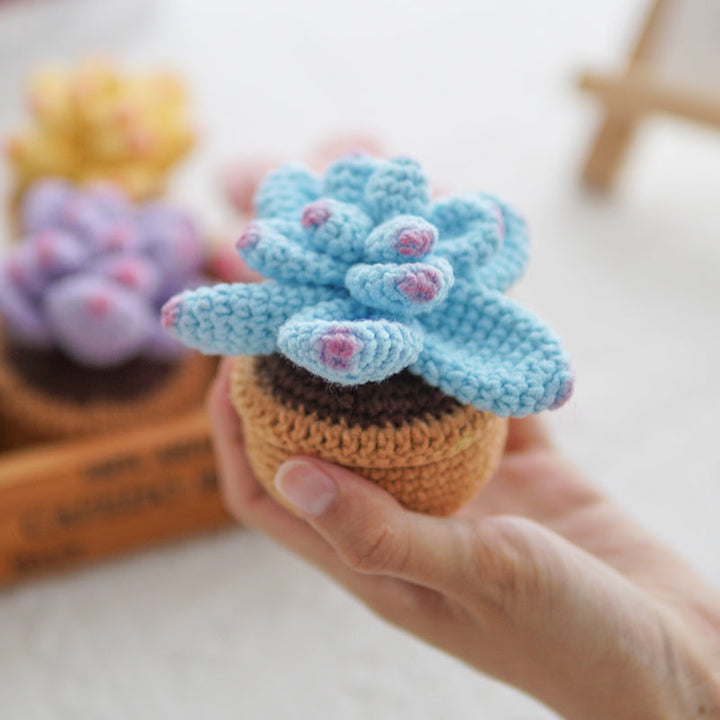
483, 94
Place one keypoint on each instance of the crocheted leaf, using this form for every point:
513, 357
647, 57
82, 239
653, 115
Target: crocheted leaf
237, 319
23, 320
397, 187
386, 258
334, 340
471, 230
96, 321
131, 271
285, 191
84, 218
405, 238
346, 178
43, 203
273, 254
493, 354
411, 288
56, 253
336, 228
508, 265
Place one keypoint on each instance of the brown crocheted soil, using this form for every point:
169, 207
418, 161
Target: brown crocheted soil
56, 374
396, 400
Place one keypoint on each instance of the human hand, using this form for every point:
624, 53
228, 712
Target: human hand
540, 581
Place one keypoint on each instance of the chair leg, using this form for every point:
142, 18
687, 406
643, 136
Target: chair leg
609, 150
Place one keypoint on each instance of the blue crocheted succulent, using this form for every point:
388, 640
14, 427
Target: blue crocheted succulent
370, 276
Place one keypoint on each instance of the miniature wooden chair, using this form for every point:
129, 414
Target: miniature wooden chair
674, 69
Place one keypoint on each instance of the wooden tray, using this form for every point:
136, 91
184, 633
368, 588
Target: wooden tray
68, 503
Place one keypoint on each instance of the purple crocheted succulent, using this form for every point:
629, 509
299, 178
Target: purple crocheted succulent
93, 271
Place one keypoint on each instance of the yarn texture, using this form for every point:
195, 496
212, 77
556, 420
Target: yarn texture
93, 270
96, 122
370, 277
31, 414
429, 464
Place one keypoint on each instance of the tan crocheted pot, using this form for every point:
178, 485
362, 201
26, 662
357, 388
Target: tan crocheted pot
43, 398
429, 451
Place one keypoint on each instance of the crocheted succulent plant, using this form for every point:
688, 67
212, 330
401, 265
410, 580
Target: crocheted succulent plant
96, 123
92, 272
370, 276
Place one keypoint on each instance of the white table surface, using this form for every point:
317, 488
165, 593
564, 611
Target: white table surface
482, 92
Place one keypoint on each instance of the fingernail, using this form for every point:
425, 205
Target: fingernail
305, 487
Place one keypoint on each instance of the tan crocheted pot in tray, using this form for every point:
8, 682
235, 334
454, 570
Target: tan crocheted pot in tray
433, 457
31, 413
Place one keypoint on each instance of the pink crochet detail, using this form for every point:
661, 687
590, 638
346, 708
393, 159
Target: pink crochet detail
315, 215
421, 286
250, 237
170, 312
338, 348
98, 305
415, 243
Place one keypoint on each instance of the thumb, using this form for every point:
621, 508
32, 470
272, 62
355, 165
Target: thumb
510, 563
369, 530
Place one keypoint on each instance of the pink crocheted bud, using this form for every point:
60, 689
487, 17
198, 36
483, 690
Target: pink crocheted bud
415, 242
250, 237
170, 312
57, 253
421, 286
315, 214
97, 322
131, 271
339, 347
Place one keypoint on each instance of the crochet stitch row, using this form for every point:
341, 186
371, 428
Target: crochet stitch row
429, 465
27, 414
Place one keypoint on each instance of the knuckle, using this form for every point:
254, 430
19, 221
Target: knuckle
506, 563
373, 551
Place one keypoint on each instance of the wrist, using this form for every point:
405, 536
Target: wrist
683, 685
699, 683
679, 681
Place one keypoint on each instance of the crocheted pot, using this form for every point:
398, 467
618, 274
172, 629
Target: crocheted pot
45, 397
429, 451
383, 340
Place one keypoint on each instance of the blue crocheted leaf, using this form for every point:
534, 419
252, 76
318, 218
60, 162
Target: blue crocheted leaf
336, 228
510, 262
346, 178
365, 266
399, 288
266, 249
493, 354
337, 341
237, 319
406, 238
471, 231
398, 187
285, 191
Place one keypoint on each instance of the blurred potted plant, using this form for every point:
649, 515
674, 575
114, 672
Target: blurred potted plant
83, 350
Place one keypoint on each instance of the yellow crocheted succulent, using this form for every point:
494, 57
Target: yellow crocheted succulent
95, 123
